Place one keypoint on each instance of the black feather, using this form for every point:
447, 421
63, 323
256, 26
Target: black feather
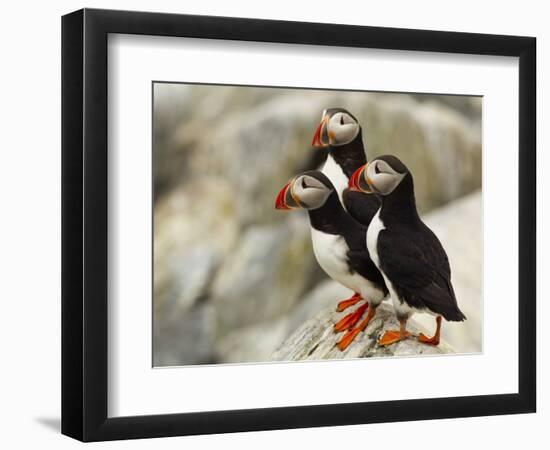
331, 218
362, 207
412, 256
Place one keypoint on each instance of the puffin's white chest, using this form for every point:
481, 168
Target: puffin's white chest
375, 227
330, 251
336, 176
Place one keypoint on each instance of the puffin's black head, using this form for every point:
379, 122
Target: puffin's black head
308, 190
380, 176
337, 127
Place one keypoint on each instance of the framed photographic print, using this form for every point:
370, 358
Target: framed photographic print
273, 224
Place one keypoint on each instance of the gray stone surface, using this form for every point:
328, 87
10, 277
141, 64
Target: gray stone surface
188, 340
253, 343
264, 276
258, 341
190, 239
316, 340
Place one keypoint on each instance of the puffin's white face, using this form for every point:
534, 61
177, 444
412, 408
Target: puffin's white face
310, 191
337, 128
342, 129
304, 191
378, 177
383, 178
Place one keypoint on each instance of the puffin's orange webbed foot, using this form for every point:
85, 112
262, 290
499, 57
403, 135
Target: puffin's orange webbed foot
392, 336
428, 340
349, 321
347, 339
352, 334
344, 304
434, 340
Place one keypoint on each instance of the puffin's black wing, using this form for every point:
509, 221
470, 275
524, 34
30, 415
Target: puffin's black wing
418, 267
362, 207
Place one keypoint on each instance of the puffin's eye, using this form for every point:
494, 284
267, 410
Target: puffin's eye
304, 185
342, 120
376, 169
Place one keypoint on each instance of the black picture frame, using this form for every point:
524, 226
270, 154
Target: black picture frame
84, 224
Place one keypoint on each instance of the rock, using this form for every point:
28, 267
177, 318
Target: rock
187, 340
186, 257
257, 342
316, 340
265, 275
190, 240
254, 343
324, 295
468, 106
432, 139
258, 150
188, 277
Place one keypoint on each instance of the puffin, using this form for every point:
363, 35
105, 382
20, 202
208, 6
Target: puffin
341, 134
410, 257
339, 244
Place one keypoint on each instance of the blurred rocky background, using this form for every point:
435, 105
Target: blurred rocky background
233, 277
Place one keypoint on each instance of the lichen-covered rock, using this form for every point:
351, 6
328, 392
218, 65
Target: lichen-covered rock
315, 339
264, 276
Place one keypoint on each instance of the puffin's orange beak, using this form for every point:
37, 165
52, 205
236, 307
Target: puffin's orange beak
358, 182
280, 202
352, 183
317, 141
